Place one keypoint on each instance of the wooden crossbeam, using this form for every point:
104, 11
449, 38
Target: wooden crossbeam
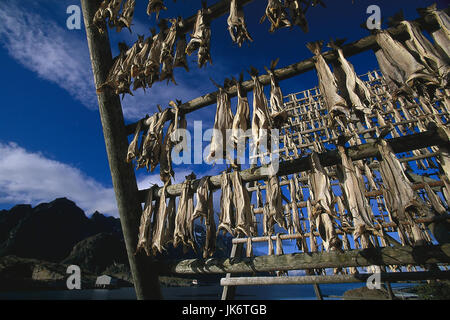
328, 158
401, 255
340, 278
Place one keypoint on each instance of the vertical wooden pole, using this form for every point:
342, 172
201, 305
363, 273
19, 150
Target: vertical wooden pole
124, 180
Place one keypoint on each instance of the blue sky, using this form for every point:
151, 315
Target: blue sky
51, 140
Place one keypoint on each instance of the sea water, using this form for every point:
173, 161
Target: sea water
213, 292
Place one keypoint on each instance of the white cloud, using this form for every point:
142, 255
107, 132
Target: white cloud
27, 177
46, 48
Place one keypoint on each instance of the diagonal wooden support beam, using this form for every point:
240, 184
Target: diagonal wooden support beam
124, 181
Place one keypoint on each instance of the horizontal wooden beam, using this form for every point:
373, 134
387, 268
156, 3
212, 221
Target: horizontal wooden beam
292, 70
340, 278
404, 255
328, 158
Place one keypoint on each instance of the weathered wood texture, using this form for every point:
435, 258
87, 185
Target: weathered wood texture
403, 255
123, 177
341, 278
328, 158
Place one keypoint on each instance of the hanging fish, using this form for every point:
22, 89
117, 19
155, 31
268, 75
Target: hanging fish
241, 201
441, 36
422, 48
227, 218
278, 114
152, 65
322, 204
113, 10
260, 119
223, 121
236, 24
351, 86
200, 39
133, 149
352, 185
276, 14
415, 75
180, 53
145, 228
138, 65
160, 227
167, 48
151, 152
126, 18
241, 121
114, 73
155, 6
205, 210
184, 222
101, 15
273, 201
297, 13
335, 103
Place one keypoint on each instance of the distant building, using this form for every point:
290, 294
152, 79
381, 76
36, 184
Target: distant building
106, 281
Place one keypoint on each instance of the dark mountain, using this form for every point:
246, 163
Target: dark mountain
50, 230
98, 252
60, 232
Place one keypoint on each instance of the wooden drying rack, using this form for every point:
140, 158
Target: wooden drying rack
145, 270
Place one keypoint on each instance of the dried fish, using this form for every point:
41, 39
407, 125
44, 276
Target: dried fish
200, 39
167, 58
113, 10
278, 114
422, 48
165, 162
322, 204
155, 6
441, 36
126, 18
138, 65
260, 119
297, 13
236, 24
159, 237
401, 200
276, 14
152, 65
352, 184
336, 105
145, 228
101, 15
205, 210
223, 121
241, 201
241, 121
180, 53
133, 149
113, 75
435, 200
275, 210
415, 74
184, 222
151, 151
351, 86
227, 217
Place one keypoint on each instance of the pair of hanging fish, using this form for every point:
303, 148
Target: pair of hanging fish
276, 13
415, 67
110, 10
155, 149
